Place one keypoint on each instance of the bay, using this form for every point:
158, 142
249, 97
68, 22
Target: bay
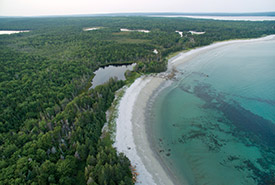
216, 123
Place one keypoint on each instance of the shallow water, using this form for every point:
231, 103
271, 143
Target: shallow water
216, 123
103, 74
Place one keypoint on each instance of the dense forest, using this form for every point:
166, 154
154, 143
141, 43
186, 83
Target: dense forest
50, 122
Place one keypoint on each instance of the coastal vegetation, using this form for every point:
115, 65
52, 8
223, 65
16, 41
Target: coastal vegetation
50, 122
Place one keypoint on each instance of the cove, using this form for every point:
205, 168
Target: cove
216, 124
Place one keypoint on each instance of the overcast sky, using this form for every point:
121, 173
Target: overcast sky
66, 7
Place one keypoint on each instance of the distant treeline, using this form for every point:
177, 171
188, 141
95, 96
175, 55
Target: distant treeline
50, 123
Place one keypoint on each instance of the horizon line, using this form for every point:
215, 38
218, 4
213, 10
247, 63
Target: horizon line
268, 13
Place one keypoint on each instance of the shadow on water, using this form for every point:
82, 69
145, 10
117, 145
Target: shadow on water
263, 130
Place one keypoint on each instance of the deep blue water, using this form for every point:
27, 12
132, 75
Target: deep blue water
216, 123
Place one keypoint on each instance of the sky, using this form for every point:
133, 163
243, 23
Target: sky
72, 7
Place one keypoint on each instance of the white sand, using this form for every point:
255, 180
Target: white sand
144, 31
131, 137
196, 33
91, 29
185, 56
180, 32
8, 32
124, 141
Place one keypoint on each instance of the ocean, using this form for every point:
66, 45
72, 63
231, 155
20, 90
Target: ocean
229, 18
215, 124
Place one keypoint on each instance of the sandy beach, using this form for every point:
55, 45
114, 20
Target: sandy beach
131, 138
185, 56
131, 133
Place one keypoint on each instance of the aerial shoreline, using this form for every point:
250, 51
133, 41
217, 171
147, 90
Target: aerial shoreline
173, 124
132, 136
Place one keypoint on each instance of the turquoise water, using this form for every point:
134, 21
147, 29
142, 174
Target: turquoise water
216, 124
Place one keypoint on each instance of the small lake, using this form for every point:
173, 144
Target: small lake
103, 74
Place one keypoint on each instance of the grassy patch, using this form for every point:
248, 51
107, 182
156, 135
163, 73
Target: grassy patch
175, 54
130, 79
122, 33
124, 40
